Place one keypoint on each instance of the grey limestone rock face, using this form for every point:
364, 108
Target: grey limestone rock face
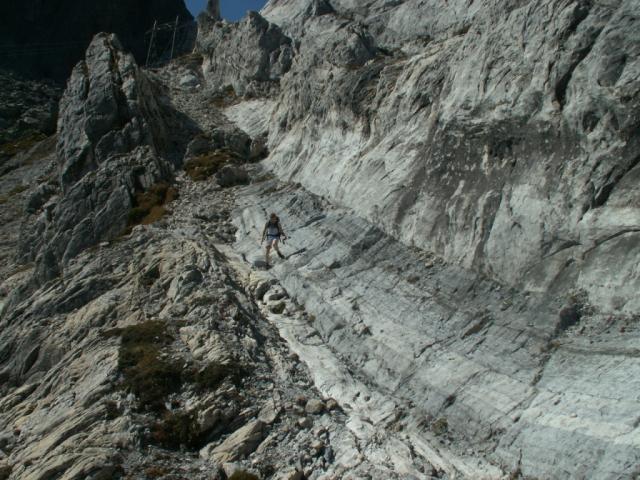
504, 137
113, 140
249, 56
109, 108
421, 351
28, 108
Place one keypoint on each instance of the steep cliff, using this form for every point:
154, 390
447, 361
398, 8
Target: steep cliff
503, 137
46, 39
501, 141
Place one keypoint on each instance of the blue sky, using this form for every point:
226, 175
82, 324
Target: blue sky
231, 9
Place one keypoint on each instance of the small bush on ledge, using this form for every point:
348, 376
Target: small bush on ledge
202, 167
150, 205
243, 475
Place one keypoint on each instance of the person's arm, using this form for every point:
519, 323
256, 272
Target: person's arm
281, 230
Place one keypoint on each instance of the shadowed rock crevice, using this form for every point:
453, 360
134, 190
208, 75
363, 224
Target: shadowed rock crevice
47, 39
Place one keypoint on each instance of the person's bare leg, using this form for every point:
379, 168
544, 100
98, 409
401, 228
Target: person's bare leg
275, 245
267, 253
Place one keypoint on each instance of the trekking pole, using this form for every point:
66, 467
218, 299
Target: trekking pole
153, 36
173, 42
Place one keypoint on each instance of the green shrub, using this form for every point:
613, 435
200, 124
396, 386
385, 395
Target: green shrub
176, 430
210, 377
440, 426
21, 144
5, 472
111, 409
152, 331
145, 373
243, 475
204, 166
13, 192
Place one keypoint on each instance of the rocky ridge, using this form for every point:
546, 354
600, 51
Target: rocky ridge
395, 341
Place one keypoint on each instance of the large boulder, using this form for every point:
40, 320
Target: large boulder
239, 444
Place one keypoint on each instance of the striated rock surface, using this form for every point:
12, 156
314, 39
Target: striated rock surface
475, 378
458, 297
503, 137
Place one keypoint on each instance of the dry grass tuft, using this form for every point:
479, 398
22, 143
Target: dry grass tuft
150, 205
22, 144
146, 373
204, 166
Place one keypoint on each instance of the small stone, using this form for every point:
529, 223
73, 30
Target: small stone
332, 404
297, 475
305, 422
230, 468
317, 446
209, 418
189, 80
262, 288
274, 296
314, 406
318, 432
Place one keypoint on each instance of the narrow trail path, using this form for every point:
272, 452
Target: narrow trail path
377, 439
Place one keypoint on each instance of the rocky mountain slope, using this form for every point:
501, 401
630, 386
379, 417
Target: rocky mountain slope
458, 301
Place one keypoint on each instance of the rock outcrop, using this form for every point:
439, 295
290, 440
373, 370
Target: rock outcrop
46, 39
250, 56
114, 140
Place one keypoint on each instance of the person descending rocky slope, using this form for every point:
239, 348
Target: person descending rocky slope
144, 354
458, 301
502, 136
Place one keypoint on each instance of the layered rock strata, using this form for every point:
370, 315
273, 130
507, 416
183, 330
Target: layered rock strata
249, 56
503, 137
473, 377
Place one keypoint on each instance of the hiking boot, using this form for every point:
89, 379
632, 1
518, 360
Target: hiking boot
281, 256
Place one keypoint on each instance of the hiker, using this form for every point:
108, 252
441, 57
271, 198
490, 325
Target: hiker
273, 232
